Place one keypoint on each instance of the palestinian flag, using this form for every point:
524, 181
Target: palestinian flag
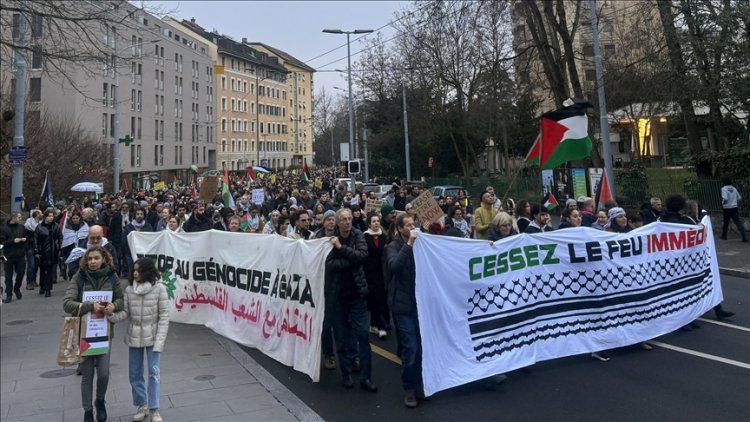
603, 192
550, 202
533, 156
250, 173
564, 137
306, 173
226, 194
125, 185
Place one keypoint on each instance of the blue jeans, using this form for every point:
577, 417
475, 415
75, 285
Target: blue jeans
136, 376
410, 345
349, 325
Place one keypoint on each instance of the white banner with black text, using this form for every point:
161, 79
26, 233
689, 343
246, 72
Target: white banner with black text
262, 291
488, 309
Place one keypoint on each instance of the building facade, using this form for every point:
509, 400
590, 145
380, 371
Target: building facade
154, 82
255, 120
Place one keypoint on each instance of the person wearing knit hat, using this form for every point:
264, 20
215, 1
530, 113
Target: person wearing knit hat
570, 202
388, 216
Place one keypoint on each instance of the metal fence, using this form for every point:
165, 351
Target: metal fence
630, 195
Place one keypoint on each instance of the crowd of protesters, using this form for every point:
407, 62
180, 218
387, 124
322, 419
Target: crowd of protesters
370, 269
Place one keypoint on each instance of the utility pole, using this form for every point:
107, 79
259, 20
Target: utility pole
406, 136
367, 155
603, 120
18, 142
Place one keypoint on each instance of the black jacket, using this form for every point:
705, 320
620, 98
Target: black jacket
12, 250
402, 276
349, 257
194, 224
677, 218
47, 239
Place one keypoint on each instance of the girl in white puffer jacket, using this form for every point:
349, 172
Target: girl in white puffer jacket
147, 306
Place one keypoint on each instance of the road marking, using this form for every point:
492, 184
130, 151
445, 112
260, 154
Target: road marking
701, 354
386, 354
724, 324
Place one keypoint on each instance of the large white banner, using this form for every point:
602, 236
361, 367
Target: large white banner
488, 309
263, 291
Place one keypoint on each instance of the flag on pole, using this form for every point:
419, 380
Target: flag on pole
226, 195
564, 135
46, 200
306, 173
533, 156
124, 185
63, 220
550, 202
250, 173
603, 192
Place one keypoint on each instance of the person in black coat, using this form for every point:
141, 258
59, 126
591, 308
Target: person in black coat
47, 240
117, 224
198, 221
14, 241
138, 224
377, 300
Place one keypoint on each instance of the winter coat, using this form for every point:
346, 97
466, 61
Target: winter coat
147, 306
14, 251
47, 240
402, 276
194, 224
373, 267
349, 258
729, 197
102, 280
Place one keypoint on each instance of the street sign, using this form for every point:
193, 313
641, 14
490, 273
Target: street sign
17, 156
344, 148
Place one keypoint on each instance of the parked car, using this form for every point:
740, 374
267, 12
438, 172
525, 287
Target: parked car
447, 190
370, 187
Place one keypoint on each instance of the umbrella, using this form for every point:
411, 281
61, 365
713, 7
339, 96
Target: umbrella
259, 169
87, 187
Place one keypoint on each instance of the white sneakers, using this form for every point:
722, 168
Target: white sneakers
141, 414
155, 416
381, 333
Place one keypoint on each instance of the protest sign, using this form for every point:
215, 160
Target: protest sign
427, 208
258, 196
262, 291
209, 189
160, 186
94, 326
373, 205
489, 309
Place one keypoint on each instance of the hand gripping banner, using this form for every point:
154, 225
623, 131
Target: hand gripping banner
486, 310
262, 291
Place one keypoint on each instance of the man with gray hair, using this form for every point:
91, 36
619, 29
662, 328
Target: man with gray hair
652, 212
95, 238
346, 293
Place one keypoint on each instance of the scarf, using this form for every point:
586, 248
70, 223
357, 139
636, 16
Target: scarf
138, 226
253, 222
31, 224
374, 233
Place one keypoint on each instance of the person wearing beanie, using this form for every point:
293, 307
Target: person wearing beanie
570, 202
388, 216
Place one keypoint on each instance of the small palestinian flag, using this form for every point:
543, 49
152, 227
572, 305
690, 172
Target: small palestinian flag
550, 202
564, 136
306, 173
603, 192
533, 156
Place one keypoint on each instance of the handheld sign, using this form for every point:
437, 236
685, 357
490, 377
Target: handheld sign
258, 196
373, 205
427, 208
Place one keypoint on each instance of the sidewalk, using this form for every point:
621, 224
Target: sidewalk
204, 377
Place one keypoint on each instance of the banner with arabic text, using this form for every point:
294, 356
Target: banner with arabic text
487, 309
262, 291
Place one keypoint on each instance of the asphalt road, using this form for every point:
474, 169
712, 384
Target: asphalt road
703, 375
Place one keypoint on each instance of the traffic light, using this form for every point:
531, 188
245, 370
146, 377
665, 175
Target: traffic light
353, 166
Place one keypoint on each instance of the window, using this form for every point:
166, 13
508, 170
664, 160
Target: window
139, 103
156, 130
112, 125
105, 94
105, 123
36, 57
35, 91
139, 128
132, 99
156, 155
223, 145
609, 49
161, 130
588, 50
113, 38
132, 127
223, 82
138, 156
607, 25
180, 141
112, 95
36, 26
132, 156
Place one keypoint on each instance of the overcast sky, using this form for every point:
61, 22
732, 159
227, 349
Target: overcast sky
295, 27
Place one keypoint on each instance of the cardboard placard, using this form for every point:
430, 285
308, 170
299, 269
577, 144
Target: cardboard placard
373, 205
427, 208
209, 188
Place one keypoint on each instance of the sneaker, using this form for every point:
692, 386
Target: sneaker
382, 334
140, 414
410, 399
330, 362
373, 330
155, 416
356, 367
368, 385
600, 356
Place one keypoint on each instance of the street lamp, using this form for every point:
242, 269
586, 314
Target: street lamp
349, 72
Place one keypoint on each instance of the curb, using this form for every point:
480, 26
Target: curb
734, 272
296, 407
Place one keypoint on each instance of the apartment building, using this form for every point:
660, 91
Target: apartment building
156, 81
252, 102
619, 21
300, 85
